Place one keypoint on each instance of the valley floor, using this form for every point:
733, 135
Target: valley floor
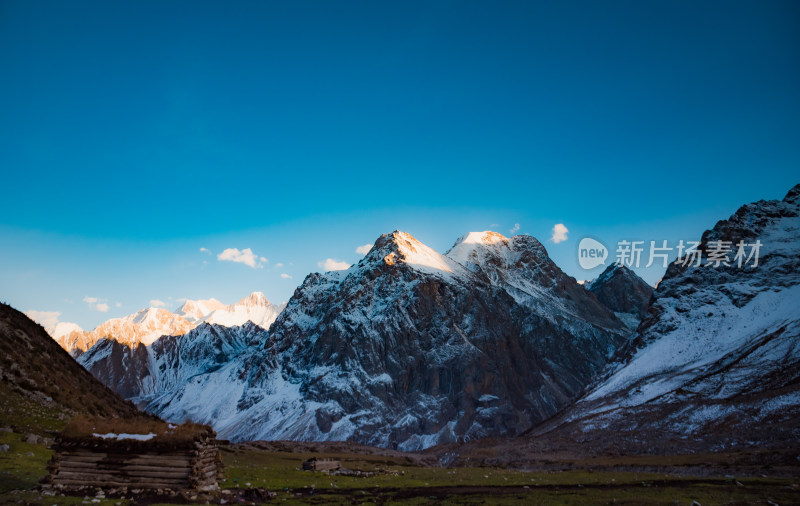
270, 474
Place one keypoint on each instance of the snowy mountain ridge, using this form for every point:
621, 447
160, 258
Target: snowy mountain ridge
147, 325
253, 308
716, 361
194, 311
407, 348
410, 348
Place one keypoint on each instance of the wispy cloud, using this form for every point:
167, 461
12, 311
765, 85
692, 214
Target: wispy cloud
245, 256
363, 250
47, 319
205, 250
333, 265
96, 304
157, 303
559, 233
278, 265
514, 229
285, 276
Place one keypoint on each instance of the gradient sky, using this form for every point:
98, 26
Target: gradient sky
134, 134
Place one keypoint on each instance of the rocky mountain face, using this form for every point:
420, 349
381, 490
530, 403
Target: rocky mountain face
406, 349
40, 378
716, 362
622, 291
147, 325
139, 371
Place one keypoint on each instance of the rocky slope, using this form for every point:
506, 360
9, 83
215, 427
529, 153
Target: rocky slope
139, 371
622, 291
715, 364
38, 378
406, 349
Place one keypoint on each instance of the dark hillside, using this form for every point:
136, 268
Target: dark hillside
41, 386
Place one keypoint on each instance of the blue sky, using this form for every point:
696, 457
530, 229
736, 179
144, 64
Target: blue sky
132, 135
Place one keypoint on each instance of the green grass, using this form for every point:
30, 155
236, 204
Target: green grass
398, 482
23, 465
629, 496
31, 497
408, 484
28, 416
283, 470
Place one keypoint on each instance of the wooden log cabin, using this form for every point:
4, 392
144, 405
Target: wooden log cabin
315, 464
137, 461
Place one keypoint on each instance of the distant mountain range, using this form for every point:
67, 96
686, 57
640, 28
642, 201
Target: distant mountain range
147, 325
410, 348
407, 349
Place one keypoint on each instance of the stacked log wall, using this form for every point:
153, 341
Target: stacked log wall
75, 466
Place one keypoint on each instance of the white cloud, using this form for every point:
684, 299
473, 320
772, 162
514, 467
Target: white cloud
559, 233
95, 304
47, 319
278, 265
205, 250
285, 276
363, 250
157, 303
333, 265
494, 225
514, 229
245, 256
264, 260
118, 304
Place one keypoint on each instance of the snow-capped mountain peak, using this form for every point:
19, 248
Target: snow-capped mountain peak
142, 327
148, 315
255, 299
195, 310
485, 237
255, 308
403, 248
147, 325
470, 248
62, 329
376, 353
